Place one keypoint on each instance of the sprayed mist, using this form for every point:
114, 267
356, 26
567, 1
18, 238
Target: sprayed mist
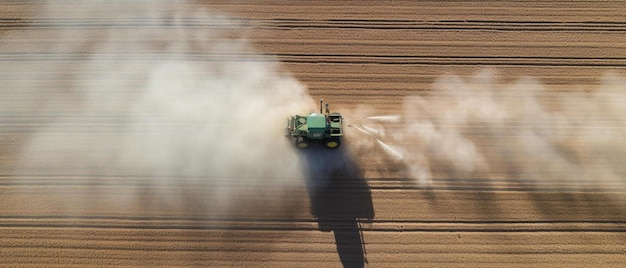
145, 94
521, 131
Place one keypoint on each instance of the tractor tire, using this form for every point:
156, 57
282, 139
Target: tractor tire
332, 143
303, 143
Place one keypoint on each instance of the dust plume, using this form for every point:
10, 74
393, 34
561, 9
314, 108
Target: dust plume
481, 127
144, 93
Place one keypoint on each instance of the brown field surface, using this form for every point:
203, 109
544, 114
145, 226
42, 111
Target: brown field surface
478, 134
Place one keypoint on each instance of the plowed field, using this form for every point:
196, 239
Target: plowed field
478, 134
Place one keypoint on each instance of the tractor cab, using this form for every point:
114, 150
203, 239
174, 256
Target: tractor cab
316, 125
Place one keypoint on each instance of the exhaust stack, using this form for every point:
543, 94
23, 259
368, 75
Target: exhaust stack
321, 104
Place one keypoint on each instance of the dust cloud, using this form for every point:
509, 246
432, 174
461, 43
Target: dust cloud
481, 127
144, 93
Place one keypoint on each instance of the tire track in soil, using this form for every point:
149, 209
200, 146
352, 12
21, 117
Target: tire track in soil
332, 59
466, 25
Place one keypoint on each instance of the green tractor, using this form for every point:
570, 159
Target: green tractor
326, 128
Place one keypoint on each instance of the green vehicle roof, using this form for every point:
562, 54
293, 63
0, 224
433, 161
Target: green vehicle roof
316, 121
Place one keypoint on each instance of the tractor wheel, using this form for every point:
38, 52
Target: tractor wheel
332, 143
303, 143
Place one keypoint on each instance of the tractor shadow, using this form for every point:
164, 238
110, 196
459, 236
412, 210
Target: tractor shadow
340, 199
